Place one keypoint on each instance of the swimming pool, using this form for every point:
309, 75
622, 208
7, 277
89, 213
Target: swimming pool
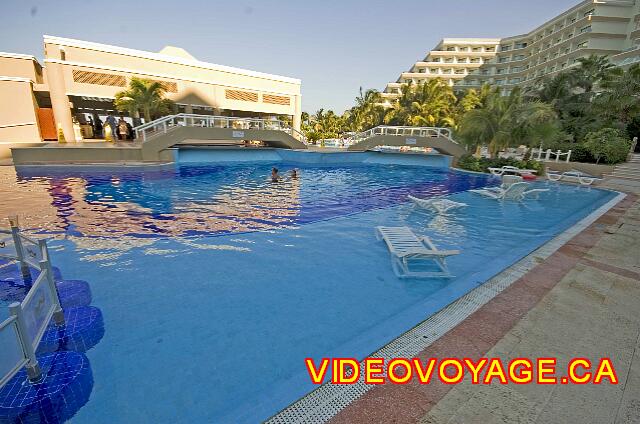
216, 283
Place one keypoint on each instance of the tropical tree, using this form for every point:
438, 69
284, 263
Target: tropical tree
620, 96
429, 103
507, 121
144, 96
591, 71
367, 112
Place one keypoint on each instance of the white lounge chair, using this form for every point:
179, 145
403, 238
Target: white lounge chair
516, 191
438, 204
405, 246
572, 176
511, 170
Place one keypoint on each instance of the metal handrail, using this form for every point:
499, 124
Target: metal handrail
402, 131
168, 123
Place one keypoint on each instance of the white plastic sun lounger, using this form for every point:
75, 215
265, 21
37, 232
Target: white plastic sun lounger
404, 246
438, 204
516, 191
572, 176
511, 169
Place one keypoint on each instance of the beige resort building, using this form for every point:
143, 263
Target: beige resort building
602, 27
79, 79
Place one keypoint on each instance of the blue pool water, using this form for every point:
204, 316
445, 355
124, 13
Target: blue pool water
215, 283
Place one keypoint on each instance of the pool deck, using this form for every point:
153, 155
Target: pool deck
582, 301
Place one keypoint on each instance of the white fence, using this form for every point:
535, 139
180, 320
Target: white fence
167, 123
21, 333
400, 131
537, 154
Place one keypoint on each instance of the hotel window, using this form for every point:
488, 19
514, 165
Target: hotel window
475, 60
567, 50
514, 80
463, 49
448, 60
446, 71
276, 100
243, 96
488, 49
582, 45
589, 12
564, 65
98, 78
484, 72
503, 60
436, 59
499, 82
585, 29
459, 71
573, 20
515, 69
558, 40
520, 45
505, 48
519, 57
500, 71
422, 70
433, 70
477, 49
451, 49
546, 46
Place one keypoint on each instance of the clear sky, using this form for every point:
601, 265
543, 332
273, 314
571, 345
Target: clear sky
334, 47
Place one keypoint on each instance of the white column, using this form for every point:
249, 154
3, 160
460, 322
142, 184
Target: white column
297, 112
60, 100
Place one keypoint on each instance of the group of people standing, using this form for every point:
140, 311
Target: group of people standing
111, 128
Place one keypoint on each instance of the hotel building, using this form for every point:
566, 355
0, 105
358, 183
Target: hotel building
80, 78
451, 60
610, 28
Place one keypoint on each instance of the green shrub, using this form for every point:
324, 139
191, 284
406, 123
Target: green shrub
471, 163
607, 145
579, 152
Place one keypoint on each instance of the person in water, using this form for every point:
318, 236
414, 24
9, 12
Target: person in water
275, 177
294, 173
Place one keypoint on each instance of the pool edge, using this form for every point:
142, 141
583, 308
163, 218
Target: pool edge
328, 400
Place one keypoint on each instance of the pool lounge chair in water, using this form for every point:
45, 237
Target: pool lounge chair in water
405, 247
438, 204
516, 191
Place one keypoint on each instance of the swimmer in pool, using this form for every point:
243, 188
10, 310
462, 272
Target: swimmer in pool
275, 177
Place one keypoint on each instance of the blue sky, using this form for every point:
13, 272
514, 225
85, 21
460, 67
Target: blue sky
334, 47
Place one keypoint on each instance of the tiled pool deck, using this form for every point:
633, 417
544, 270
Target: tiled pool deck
583, 300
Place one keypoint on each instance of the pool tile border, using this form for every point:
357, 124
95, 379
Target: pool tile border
407, 403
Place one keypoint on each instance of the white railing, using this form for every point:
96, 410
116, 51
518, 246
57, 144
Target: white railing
401, 131
546, 155
21, 333
164, 125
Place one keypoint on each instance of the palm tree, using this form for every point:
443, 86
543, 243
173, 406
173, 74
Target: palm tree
506, 121
591, 71
146, 96
367, 112
620, 98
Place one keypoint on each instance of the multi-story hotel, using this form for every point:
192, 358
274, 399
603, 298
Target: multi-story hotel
79, 79
610, 28
451, 60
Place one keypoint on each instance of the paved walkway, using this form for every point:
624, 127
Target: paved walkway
583, 301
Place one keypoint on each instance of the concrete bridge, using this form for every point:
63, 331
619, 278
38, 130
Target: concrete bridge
175, 130
434, 137
155, 141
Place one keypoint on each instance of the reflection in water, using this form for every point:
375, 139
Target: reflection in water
105, 213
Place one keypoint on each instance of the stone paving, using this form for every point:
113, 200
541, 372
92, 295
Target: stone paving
583, 301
